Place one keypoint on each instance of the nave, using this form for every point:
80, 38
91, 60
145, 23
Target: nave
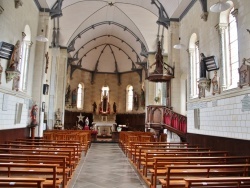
105, 166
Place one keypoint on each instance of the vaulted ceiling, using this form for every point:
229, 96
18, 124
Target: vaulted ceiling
112, 36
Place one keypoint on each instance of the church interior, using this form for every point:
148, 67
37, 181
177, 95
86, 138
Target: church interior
103, 77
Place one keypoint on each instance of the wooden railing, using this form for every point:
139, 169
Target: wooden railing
175, 122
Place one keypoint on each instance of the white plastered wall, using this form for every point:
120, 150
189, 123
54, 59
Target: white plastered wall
220, 114
12, 24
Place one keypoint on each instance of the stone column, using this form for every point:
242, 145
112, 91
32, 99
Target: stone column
192, 72
61, 83
53, 84
39, 76
223, 68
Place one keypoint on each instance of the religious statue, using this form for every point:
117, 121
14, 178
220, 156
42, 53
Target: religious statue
215, 83
142, 97
58, 123
86, 127
203, 68
15, 57
74, 94
16, 83
114, 108
67, 96
58, 115
47, 62
136, 101
33, 115
104, 107
87, 121
94, 107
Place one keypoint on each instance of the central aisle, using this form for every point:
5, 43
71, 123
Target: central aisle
105, 166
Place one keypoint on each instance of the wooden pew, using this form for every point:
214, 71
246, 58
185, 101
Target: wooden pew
137, 149
126, 137
230, 182
160, 163
175, 174
148, 160
84, 146
21, 182
62, 168
148, 156
47, 142
133, 146
34, 170
77, 154
44, 146
68, 153
68, 135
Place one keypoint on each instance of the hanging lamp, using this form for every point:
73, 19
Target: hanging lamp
179, 46
220, 7
42, 38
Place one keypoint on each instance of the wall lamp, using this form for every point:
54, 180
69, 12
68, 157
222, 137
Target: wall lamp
6, 50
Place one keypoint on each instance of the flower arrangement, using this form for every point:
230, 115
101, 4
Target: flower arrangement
157, 99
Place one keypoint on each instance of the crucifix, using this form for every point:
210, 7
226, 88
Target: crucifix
47, 61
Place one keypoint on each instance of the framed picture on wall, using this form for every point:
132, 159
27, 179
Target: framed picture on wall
45, 89
43, 106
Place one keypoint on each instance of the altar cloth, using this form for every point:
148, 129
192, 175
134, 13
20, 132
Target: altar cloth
104, 127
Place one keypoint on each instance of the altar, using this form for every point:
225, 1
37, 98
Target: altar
104, 128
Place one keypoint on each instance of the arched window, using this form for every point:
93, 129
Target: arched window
233, 63
158, 92
194, 58
105, 106
25, 52
229, 48
129, 97
80, 96
105, 93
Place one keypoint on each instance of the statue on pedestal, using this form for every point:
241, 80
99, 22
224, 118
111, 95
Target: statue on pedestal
33, 115
58, 124
94, 107
114, 108
58, 115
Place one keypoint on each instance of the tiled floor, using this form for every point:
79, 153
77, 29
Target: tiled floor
105, 166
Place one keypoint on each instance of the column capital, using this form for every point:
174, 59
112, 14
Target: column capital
221, 27
29, 43
197, 43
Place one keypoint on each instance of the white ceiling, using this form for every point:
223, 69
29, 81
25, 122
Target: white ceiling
114, 45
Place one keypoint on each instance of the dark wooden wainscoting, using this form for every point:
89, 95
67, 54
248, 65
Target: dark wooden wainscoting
13, 134
134, 122
234, 146
71, 119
